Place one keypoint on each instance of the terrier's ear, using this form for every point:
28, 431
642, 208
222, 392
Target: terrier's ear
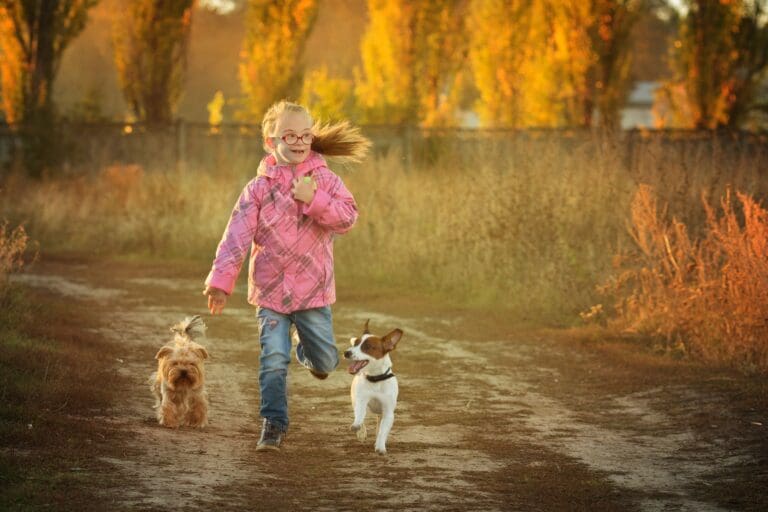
163, 352
390, 340
365, 329
201, 352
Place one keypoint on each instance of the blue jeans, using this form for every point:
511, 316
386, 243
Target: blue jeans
316, 350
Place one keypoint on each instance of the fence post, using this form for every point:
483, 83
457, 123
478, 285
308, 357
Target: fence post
407, 142
181, 145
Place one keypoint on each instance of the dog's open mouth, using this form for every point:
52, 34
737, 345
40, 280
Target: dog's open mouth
356, 366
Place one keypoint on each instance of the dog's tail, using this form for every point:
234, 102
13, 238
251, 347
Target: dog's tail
192, 326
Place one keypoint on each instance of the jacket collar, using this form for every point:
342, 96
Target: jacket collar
272, 168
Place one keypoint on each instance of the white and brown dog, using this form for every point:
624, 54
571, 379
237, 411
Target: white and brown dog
374, 387
179, 383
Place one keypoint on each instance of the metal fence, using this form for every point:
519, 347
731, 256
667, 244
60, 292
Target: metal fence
82, 148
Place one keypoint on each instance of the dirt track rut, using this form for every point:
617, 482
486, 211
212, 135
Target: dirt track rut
487, 420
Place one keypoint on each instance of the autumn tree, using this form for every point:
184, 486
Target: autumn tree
270, 63
719, 59
499, 49
608, 80
151, 43
588, 48
33, 37
413, 54
552, 62
328, 98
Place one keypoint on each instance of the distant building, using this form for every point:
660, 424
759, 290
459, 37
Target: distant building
638, 112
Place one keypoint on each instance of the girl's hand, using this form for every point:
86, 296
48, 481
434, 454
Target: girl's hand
217, 299
304, 189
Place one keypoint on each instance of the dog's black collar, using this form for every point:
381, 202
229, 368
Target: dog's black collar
378, 378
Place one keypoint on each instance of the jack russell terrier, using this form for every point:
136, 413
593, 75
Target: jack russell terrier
374, 388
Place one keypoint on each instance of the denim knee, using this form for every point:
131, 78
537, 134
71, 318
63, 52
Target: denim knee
275, 341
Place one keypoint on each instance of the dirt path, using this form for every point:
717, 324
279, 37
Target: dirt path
488, 419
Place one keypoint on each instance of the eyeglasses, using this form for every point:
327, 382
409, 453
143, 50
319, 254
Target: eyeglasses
292, 138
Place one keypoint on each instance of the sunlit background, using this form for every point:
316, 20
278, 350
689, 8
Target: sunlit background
560, 160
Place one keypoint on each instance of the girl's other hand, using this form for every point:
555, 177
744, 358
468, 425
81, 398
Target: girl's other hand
217, 299
304, 189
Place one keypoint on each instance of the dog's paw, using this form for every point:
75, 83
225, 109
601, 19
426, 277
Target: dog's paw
360, 430
168, 423
381, 450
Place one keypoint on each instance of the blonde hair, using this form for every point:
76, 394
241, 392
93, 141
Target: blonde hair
341, 141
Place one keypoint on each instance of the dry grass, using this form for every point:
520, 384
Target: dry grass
13, 247
526, 234
123, 210
705, 295
524, 223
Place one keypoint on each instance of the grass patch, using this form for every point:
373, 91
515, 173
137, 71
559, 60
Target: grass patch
524, 224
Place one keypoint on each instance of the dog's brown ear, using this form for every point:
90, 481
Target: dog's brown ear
365, 329
201, 352
163, 352
390, 340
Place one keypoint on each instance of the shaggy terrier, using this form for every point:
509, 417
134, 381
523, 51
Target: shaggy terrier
179, 383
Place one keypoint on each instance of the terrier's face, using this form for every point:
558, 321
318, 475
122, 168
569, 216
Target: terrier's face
369, 348
181, 365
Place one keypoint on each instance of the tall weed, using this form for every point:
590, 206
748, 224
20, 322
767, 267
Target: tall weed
706, 296
13, 246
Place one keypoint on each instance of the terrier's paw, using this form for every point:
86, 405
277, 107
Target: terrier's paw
381, 450
360, 431
170, 422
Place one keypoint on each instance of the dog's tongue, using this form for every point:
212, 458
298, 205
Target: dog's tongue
356, 366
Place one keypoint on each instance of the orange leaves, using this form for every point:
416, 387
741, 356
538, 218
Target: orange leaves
13, 71
709, 294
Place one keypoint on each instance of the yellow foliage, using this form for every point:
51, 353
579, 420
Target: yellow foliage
327, 98
215, 107
384, 86
540, 63
269, 67
500, 35
412, 57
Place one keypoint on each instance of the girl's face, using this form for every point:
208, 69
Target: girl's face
292, 138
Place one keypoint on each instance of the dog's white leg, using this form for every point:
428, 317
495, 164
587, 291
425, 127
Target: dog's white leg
358, 425
385, 425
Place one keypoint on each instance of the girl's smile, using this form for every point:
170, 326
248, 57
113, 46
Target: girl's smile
294, 128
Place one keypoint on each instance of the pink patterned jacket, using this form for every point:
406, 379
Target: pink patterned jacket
291, 243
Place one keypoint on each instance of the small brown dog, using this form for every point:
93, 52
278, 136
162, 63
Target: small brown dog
179, 383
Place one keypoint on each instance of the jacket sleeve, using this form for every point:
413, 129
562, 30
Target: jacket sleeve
333, 206
236, 241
